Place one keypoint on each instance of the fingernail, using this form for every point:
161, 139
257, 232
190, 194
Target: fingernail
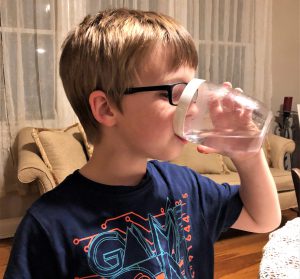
227, 84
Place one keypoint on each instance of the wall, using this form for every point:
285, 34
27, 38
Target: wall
286, 61
286, 52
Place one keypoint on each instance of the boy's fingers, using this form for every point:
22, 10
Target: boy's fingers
228, 103
215, 107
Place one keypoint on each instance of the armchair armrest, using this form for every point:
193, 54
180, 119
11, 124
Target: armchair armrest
279, 147
30, 165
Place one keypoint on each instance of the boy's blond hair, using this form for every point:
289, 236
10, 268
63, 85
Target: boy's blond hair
106, 51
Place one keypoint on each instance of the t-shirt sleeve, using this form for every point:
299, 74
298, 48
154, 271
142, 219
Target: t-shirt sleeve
221, 205
32, 255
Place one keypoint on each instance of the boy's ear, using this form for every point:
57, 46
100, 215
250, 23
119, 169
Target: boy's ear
101, 109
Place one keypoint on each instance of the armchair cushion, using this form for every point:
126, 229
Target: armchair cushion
61, 150
283, 179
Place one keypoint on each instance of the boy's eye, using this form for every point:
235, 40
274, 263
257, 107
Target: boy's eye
164, 95
177, 92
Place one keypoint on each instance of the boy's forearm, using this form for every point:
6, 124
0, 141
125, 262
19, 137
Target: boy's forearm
258, 193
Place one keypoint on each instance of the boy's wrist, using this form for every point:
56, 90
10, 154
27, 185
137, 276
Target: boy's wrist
248, 159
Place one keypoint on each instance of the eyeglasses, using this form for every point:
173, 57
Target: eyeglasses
173, 91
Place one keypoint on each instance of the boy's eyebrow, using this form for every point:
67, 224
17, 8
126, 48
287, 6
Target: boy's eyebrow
177, 80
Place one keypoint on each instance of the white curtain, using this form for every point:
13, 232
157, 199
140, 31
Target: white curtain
31, 93
233, 38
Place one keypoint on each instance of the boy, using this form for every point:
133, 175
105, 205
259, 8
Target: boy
122, 216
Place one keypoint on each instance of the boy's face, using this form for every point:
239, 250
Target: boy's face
146, 124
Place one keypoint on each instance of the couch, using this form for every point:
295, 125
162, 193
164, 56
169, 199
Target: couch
47, 156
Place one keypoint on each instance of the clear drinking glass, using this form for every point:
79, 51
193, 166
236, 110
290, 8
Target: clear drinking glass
221, 118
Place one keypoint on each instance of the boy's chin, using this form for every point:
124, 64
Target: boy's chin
171, 151
170, 156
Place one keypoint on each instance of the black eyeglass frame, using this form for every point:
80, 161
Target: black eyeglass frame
165, 87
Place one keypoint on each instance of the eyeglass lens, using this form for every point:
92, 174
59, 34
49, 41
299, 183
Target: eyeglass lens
177, 92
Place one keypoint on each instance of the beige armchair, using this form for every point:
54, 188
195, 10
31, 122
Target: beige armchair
47, 156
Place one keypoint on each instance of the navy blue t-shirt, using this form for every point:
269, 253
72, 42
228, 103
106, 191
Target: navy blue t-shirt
165, 227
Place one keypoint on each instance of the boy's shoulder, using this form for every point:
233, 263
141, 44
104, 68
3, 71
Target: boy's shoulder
57, 195
173, 172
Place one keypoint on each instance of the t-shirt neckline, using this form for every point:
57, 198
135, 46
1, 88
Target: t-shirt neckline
115, 189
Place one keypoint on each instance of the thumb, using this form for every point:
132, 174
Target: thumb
206, 150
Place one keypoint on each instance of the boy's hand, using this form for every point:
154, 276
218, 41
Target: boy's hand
228, 114
261, 210
231, 119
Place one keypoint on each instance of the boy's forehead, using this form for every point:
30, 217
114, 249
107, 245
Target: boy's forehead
154, 67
